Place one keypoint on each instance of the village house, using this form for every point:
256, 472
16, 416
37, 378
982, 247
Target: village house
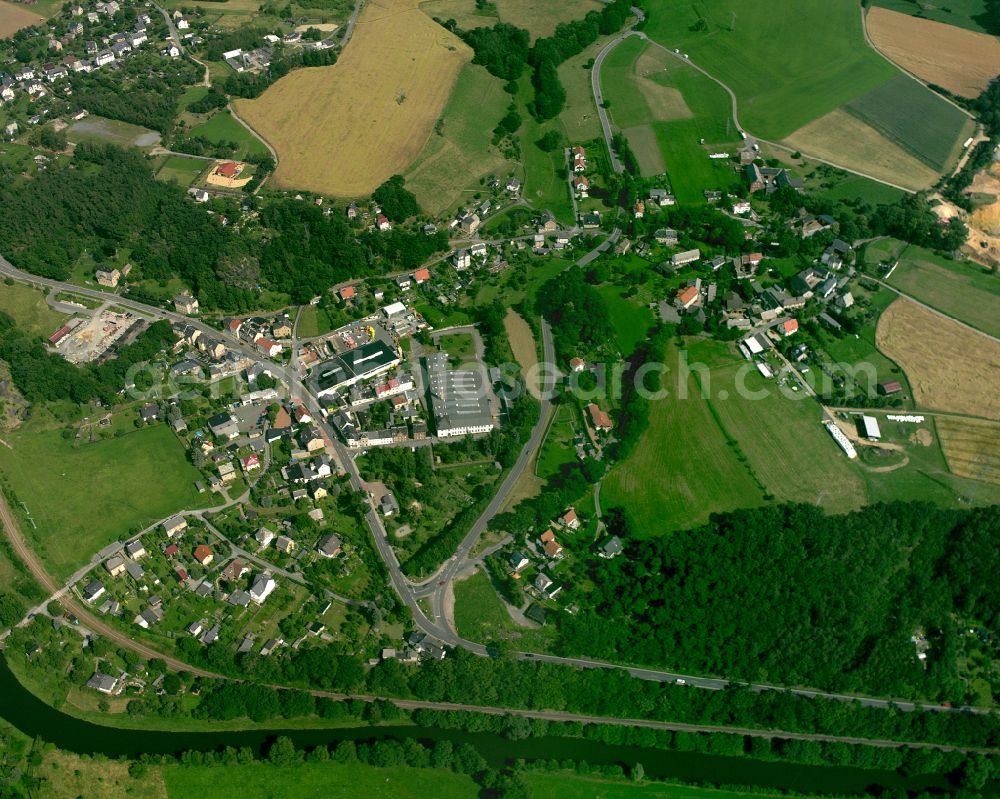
175, 525
203, 554
599, 419
186, 304
115, 565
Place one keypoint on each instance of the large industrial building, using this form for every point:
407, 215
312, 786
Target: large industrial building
353, 366
459, 399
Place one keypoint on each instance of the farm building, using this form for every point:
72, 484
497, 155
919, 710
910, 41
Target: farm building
889, 387
870, 429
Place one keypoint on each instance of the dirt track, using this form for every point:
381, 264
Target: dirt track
28, 557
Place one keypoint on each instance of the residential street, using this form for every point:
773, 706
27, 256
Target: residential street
403, 587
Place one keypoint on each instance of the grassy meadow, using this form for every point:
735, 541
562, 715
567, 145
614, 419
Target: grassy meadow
459, 151
27, 307
823, 62
665, 109
480, 615
221, 127
327, 780
83, 495
965, 291
180, 170
716, 450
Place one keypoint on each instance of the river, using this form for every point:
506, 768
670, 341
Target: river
34, 717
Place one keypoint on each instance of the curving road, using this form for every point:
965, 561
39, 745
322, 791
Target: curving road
438, 628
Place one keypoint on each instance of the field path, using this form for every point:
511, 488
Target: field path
749, 139
925, 84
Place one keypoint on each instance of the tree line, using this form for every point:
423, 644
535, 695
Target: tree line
505, 52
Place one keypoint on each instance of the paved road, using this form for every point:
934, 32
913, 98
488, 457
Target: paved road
602, 113
438, 629
749, 139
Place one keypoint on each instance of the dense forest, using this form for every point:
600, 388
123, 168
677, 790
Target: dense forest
793, 596
107, 199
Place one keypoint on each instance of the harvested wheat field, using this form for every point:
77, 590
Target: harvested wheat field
971, 447
950, 367
841, 138
962, 61
13, 17
342, 130
522, 340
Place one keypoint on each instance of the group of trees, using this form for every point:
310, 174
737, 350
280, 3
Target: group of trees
114, 202
789, 595
397, 202
502, 49
577, 312
144, 91
41, 375
569, 39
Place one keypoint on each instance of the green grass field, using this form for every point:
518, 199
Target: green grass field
191, 95
630, 320
918, 120
854, 186
84, 496
459, 151
963, 13
545, 181
180, 170
326, 780
28, 309
557, 447
313, 322
963, 290
569, 785
726, 449
788, 61
221, 127
480, 615
661, 103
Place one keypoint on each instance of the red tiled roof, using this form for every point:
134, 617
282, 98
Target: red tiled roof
202, 553
347, 292
230, 169
791, 325
688, 295
422, 275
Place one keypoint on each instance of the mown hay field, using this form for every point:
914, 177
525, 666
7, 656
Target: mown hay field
962, 61
922, 123
950, 367
665, 109
972, 447
13, 17
343, 130
844, 139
